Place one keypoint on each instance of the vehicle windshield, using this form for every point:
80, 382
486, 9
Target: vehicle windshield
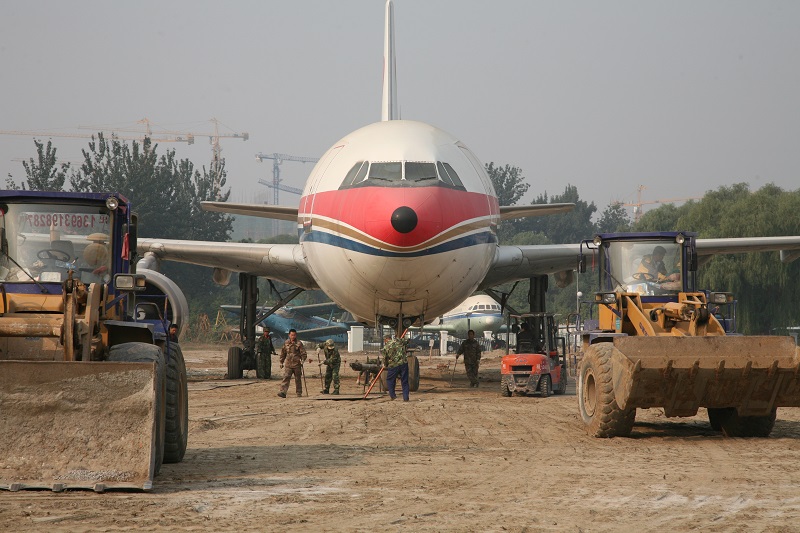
644, 267
43, 242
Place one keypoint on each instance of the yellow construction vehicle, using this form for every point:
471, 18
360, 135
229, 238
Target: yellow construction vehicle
659, 342
93, 394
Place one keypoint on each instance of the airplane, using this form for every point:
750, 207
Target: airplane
479, 313
309, 326
398, 224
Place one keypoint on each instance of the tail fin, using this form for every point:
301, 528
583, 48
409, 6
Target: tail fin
389, 102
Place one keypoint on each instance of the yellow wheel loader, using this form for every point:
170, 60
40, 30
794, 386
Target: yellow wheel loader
92, 392
658, 342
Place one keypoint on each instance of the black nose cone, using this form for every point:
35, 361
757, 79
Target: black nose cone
404, 219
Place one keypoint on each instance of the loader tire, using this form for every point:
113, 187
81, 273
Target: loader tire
505, 391
733, 425
562, 384
413, 373
598, 407
177, 418
139, 352
545, 386
715, 416
235, 363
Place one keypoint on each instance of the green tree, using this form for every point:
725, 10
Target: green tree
509, 183
574, 226
614, 219
43, 173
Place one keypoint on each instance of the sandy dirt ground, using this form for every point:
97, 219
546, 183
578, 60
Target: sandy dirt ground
451, 459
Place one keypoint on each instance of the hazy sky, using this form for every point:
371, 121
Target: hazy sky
679, 96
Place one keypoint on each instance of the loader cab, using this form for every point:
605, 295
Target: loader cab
656, 266
45, 236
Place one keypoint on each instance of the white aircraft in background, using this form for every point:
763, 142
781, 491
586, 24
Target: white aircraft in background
398, 224
479, 313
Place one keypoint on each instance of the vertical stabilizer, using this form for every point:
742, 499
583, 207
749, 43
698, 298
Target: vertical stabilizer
389, 102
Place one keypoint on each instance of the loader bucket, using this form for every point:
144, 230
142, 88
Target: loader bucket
87, 425
680, 374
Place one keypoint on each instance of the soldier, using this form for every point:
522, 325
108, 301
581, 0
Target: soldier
293, 354
471, 350
264, 352
332, 361
395, 361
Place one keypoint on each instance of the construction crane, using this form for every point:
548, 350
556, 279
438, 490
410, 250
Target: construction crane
637, 206
277, 160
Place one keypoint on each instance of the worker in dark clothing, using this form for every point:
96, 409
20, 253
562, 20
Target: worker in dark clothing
173, 333
525, 338
395, 360
264, 352
332, 360
471, 350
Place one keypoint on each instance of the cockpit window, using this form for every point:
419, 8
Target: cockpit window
386, 171
402, 174
420, 171
453, 176
356, 174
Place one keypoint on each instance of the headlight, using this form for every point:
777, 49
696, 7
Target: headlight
130, 282
720, 297
597, 240
679, 238
112, 203
609, 298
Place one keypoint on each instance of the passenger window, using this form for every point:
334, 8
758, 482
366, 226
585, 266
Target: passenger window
420, 171
352, 176
386, 171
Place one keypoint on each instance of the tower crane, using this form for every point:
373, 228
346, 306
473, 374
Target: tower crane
637, 206
277, 160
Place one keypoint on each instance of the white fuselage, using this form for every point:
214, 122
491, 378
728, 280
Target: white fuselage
398, 218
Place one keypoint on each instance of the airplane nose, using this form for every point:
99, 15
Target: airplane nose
404, 219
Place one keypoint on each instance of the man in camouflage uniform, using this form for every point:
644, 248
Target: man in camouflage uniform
264, 352
471, 350
395, 361
293, 355
332, 360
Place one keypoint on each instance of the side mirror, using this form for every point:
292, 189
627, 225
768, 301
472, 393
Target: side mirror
582, 264
691, 260
133, 235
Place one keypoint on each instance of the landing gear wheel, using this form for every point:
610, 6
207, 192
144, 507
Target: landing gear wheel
733, 425
413, 373
177, 417
234, 363
544, 386
598, 407
264, 366
139, 352
504, 389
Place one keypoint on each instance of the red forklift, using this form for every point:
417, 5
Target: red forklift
539, 365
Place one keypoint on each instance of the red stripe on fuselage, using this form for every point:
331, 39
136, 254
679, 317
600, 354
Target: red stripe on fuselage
369, 209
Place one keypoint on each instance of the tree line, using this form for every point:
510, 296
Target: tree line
767, 290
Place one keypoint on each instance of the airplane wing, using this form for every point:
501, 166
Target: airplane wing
283, 262
254, 210
513, 263
523, 211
